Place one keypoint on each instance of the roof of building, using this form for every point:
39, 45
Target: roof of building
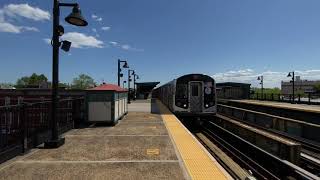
109, 87
147, 83
232, 83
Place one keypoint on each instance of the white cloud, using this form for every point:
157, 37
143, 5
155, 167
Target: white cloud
96, 18
93, 16
124, 46
105, 28
95, 31
24, 10
9, 12
129, 48
8, 27
30, 28
80, 40
47, 40
270, 78
1, 15
113, 43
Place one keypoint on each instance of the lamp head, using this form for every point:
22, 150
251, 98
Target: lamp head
125, 65
289, 75
60, 30
66, 45
75, 17
259, 78
137, 77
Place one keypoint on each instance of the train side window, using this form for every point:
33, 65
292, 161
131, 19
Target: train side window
194, 90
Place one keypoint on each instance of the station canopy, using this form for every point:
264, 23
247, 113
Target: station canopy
144, 88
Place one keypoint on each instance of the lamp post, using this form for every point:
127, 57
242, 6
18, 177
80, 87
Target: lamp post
129, 80
291, 74
119, 69
135, 76
260, 78
75, 18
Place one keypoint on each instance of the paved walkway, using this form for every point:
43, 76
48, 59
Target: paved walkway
139, 147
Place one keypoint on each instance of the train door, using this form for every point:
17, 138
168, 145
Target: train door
195, 96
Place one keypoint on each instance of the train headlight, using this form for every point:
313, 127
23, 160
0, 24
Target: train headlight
184, 105
207, 105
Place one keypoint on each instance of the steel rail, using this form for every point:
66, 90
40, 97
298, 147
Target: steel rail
266, 162
308, 147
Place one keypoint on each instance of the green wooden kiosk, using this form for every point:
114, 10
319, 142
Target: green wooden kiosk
106, 103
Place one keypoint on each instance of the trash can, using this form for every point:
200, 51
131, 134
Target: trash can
106, 103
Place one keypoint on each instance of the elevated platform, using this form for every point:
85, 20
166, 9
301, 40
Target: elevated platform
301, 112
299, 107
149, 143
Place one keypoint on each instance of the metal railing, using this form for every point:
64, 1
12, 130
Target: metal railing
27, 125
309, 98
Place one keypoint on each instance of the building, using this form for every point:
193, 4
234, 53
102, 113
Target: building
144, 89
300, 86
233, 90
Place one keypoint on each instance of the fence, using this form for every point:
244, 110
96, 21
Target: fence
27, 125
309, 98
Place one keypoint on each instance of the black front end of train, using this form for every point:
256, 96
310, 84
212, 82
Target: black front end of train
195, 96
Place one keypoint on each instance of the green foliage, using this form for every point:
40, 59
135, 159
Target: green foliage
6, 85
34, 79
275, 90
317, 87
83, 81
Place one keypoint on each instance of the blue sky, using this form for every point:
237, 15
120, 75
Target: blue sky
232, 40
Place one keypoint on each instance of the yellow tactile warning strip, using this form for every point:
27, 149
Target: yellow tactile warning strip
196, 160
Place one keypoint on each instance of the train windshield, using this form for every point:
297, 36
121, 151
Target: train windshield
182, 91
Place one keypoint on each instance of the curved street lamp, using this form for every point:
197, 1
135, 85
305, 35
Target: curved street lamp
135, 76
130, 72
291, 74
119, 69
75, 18
260, 78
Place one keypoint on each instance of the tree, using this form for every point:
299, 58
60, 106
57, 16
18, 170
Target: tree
6, 86
83, 81
33, 80
317, 87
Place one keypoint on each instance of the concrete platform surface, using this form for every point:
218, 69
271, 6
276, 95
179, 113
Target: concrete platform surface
138, 147
142, 106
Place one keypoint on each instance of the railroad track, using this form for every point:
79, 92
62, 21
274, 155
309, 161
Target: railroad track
260, 163
310, 152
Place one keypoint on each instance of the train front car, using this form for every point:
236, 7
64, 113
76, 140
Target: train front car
195, 95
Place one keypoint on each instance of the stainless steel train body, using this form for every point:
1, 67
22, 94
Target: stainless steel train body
189, 95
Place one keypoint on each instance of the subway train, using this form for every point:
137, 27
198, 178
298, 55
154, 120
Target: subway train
191, 95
